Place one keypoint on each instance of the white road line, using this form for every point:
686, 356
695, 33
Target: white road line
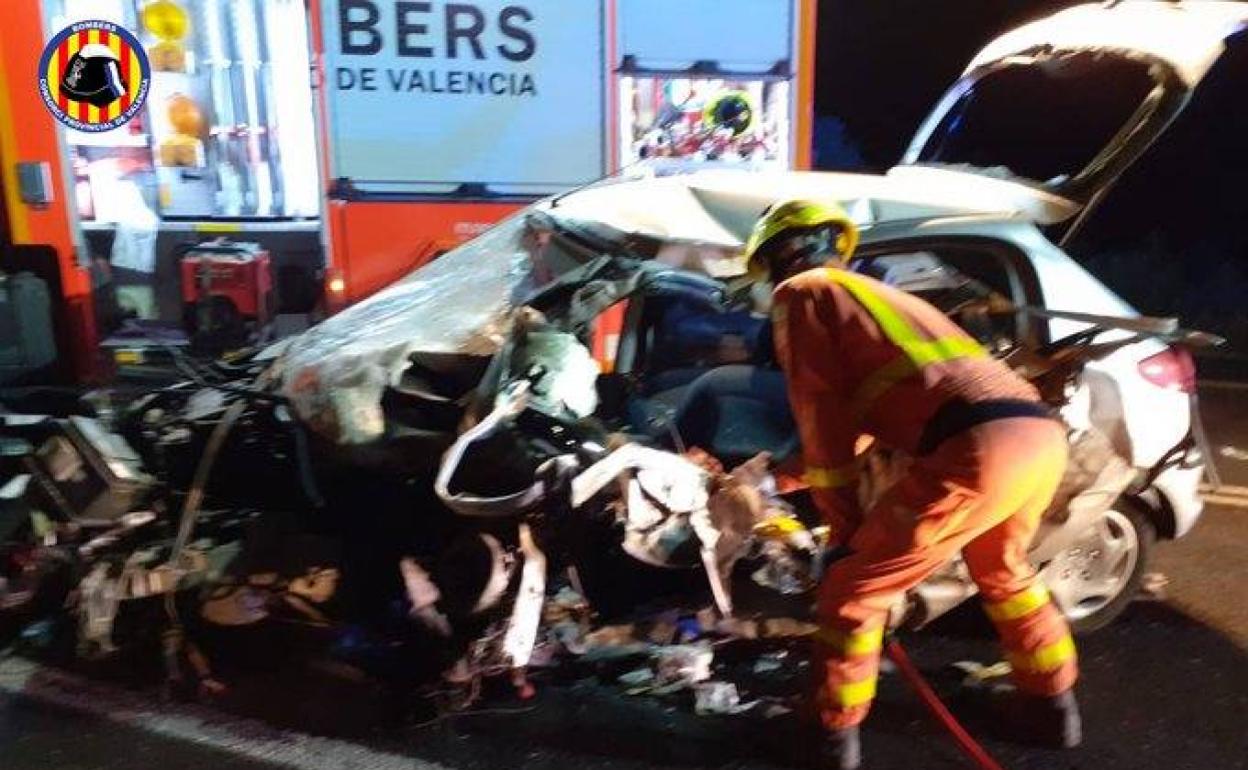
1227, 501
196, 724
1226, 490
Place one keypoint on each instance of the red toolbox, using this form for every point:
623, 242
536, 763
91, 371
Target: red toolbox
227, 291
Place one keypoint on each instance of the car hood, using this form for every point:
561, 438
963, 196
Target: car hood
1189, 36
1069, 102
454, 308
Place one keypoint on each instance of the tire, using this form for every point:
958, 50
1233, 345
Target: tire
1093, 580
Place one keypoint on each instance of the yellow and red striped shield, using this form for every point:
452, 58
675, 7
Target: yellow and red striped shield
123, 70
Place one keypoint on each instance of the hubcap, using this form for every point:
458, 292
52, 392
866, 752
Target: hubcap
1096, 568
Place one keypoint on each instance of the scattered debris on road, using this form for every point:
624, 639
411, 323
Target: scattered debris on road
1233, 453
1153, 586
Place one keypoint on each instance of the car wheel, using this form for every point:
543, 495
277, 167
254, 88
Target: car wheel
1094, 579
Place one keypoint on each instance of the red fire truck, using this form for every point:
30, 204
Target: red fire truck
356, 139
438, 119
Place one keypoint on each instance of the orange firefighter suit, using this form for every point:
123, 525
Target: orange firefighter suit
864, 358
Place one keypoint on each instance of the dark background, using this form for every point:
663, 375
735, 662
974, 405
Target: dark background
1172, 236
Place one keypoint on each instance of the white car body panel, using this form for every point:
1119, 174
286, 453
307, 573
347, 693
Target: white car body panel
719, 206
1185, 39
1180, 486
1189, 36
1143, 420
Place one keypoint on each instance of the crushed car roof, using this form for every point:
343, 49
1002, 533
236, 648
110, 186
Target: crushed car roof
720, 206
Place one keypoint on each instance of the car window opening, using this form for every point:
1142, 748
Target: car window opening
1043, 120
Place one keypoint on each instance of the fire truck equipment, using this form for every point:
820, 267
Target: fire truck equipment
167, 56
166, 20
26, 342
227, 293
179, 150
185, 115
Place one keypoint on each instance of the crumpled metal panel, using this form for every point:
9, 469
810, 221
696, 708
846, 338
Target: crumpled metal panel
460, 303
569, 372
1188, 36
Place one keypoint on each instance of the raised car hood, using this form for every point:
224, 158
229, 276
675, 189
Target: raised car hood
1069, 102
1189, 36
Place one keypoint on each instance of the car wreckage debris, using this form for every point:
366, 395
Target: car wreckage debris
585, 545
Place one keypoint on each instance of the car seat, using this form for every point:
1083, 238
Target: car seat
734, 412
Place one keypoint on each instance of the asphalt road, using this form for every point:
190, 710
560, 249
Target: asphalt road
1226, 419
1165, 687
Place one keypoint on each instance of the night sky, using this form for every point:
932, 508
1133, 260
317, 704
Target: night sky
884, 63
1172, 236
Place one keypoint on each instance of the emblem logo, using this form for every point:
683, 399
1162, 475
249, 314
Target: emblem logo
94, 76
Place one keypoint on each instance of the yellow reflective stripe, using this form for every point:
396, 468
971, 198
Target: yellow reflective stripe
1018, 606
1048, 658
852, 644
919, 351
943, 349
831, 478
847, 696
894, 326
901, 332
878, 383
916, 357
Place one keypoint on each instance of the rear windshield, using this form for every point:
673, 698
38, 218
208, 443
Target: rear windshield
1042, 120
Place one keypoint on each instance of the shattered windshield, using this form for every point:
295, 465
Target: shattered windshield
1043, 119
459, 304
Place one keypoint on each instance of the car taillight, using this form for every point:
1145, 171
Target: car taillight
1172, 369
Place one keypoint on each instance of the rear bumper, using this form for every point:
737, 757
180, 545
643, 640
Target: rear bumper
1180, 486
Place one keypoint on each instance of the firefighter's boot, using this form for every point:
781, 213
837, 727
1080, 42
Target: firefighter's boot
1050, 722
841, 749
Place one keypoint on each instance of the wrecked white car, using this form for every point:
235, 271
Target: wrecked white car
550, 409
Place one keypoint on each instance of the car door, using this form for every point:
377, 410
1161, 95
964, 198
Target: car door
952, 273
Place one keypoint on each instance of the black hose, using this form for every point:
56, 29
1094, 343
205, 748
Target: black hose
303, 464
188, 369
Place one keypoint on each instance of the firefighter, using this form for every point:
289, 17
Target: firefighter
862, 358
